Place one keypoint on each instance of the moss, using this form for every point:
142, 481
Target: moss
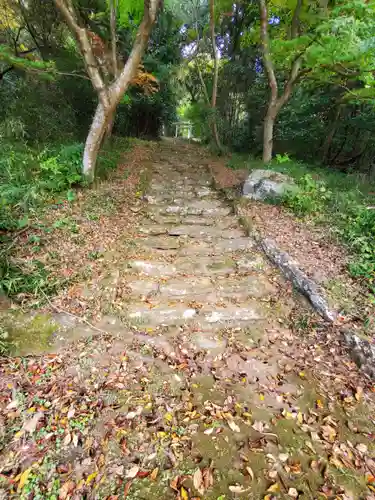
28, 334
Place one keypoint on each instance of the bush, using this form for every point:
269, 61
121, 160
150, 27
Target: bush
29, 177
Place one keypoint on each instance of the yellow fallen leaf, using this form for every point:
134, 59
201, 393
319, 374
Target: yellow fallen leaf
319, 403
302, 374
168, 417
261, 396
300, 417
91, 477
274, 488
23, 479
184, 494
154, 474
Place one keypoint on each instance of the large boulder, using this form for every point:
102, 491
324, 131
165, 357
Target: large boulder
263, 184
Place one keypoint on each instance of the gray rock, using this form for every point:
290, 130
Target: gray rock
304, 284
362, 352
263, 184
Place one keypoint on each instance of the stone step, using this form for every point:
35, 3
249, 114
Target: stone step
202, 232
211, 208
207, 318
202, 289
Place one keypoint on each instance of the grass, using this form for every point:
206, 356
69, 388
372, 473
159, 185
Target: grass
342, 201
32, 181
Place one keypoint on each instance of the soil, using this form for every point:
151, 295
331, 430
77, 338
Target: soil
198, 372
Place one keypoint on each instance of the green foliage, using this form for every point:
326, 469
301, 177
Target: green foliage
28, 178
340, 202
311, 198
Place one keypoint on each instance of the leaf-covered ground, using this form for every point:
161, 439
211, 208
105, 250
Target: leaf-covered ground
201, 374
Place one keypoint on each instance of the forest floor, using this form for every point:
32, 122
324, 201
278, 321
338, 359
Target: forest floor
195, 370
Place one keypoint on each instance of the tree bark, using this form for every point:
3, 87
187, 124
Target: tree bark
215, 131
269, 124
109, 95
276, 102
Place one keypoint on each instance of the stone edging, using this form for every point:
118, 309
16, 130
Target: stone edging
361, 350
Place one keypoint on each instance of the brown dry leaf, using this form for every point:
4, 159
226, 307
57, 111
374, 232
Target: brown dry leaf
238, 489
132, 473
66, 489
293, 493
67, 439
250, 472
329, 433
198, 481
234, 426
174, 483
154, 474
359, 393
361, 447
31, 424
127, 488
258, 426
208, 478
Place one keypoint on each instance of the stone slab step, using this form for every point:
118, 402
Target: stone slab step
181, 314
205, 232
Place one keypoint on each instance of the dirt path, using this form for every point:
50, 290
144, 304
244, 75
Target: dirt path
208, 383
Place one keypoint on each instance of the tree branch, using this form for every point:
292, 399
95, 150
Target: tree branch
268, 64
119, 86
3, 73
67, 10
113, 18
295, 31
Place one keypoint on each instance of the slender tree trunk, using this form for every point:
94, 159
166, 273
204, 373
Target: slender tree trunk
331, 135
109, 95
94, 140
268, 127
214, 126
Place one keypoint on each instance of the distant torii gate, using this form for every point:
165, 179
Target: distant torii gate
181, 127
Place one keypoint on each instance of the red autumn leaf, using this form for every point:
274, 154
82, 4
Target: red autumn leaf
143, 473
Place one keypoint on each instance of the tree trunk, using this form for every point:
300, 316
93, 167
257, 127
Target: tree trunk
331, 135
215, 131
269, 123
94, 140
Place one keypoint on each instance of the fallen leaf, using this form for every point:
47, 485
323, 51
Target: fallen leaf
184, 494
127, 488
250, 472
132, 473
329, 433
67, 439
66, 489
258, 426
154, 474
238, 489
209, 431
361, 447
31, 424
274, 488
71, 413
293, 493
23, 479
198, 481
283, 457
91, 478
359, 393
234, 426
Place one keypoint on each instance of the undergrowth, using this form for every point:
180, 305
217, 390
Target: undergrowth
32, 180
343, 201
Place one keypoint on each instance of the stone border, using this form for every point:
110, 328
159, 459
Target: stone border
361, 350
